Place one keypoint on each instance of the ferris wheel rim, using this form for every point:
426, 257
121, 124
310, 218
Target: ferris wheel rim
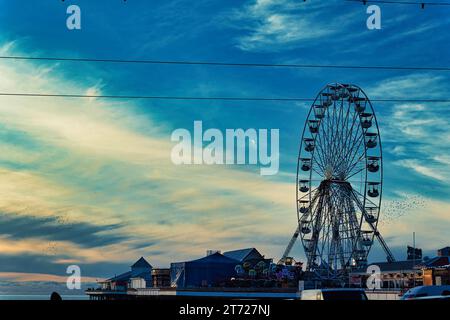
366, 156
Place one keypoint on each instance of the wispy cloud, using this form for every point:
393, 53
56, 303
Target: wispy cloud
419, 85
414, 133
94, 161
274, 25
415, 165
54, 229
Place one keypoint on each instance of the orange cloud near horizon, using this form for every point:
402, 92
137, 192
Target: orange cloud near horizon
30, 277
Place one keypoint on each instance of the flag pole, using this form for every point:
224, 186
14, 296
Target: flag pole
414, 259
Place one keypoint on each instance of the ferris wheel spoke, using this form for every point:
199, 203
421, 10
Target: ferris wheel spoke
319, 141
331, 129
346, 126
341, 138
354, 152
349, 142
320, 174
322, 154
353, 122
341, 125
336, 134
350, 173
347, 116
324, 140
356, 135
319, 161
351, 153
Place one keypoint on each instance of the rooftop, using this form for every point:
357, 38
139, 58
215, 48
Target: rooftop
141, 263
215, 258
242, 254
121, 277
436, 262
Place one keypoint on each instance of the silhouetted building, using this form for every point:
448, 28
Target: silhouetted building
398, 274
139, 277
252, 264
208, 271
161, 277
414, 254
444, 252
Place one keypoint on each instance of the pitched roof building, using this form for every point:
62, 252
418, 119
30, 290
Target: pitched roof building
141, 263
140, 273
204, 272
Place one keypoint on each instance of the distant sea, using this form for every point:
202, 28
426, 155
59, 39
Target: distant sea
41, 290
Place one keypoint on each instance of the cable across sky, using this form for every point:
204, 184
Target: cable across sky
423, 4
230, 64
188, 98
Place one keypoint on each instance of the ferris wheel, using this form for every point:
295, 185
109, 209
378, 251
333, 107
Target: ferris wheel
339, 183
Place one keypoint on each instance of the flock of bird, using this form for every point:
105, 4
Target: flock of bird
391, 211
394, 209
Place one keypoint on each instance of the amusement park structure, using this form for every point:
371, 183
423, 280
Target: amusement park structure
339, 183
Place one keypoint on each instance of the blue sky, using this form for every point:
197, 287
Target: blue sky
91, 182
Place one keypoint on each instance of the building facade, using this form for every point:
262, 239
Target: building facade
140, 276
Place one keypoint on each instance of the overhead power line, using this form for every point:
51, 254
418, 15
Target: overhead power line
228, 64
188, 98
422, 4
